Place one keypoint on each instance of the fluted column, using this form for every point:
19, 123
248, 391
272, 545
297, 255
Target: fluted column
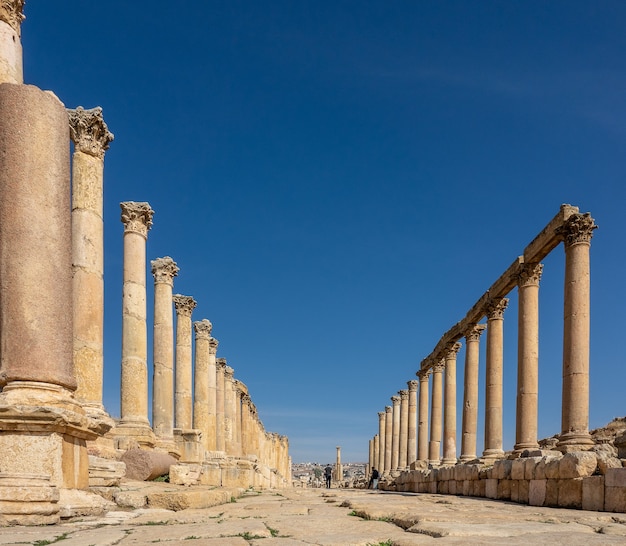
470, 393
411, 454
395, 434
434, 446
576, 234
11, 64
404, 429
220, 364
388, 438
163, 270
229, 410
493, 380
184, 306
202, 329
137, 220
422, 418
381, 441
449, 416
527, 357
212, 405
91, 139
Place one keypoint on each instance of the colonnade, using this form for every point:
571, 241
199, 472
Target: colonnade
424, 432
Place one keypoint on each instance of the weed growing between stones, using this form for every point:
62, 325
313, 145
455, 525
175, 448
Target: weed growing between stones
46, 542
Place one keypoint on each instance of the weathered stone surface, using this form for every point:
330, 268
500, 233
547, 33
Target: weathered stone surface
185, 474
570, 493
105, 472
74, 503
577, 464
146, 465
593, 493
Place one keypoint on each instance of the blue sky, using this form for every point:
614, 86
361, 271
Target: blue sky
340, 181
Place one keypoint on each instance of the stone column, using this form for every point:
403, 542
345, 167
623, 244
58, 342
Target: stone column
422, 419
338, 468
449, 415
163, 270
381, 441
577, 233
411, 454
137, 220
404, 429
202, 329
370, 457
376, 458
388, 438
434, 446
212, 408
493, 380
91, 139
183, 398
11, 65
220, 364
395, 433
470, 393
246, 420
229, 410
238, 391
527, 357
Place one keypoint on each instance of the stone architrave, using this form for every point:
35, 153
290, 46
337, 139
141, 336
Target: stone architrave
202, 329
137, 220
91, 138
184, 306
449, 414
470, 393
422, 418
388, 438
11, 64
412, 423
527, 357
434, 446
212, 404
493, 380
404, 429
381, 441
163, 270
395, 432
576, 234
220, 365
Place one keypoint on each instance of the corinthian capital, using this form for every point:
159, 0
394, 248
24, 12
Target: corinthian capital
578, 228
388, 409
404, 394
439, 367
89, 132
136, 217
203, 329
452, 349
213, 343
381, 414
395, 399
221, 363
184, 305
495, 308
529, 274
423, 374
412, 384
164, 270
474, 332
12, 13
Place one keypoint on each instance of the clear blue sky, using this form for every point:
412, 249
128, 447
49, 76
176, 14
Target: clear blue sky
340, 181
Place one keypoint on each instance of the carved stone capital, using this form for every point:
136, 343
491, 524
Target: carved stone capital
412, 384
184, 305
381, 414
136, 217
578, 228
89, 132
439, 367
388, 409
404, 395
395, 399
474, 332
220, 363
452, 350
203, 329
423, 374
213, 343
529, 274
229, 372
12, 13
495, 308
164, 270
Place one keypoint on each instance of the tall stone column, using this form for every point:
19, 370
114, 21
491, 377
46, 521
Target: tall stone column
212, 408
229, 410
220, 364
238, 392
470, 393
338, 467
163, 270
411, 454
493, 380
137, 220
11, 65
246, 420
404, 429
202, 330
434, 446
388, 438
395, 433
381, 441
576, 233
422, 418
91, 138
449, 416
184, 306
527, 357
376, 458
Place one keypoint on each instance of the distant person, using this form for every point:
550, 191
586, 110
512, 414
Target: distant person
374, 479
328, 473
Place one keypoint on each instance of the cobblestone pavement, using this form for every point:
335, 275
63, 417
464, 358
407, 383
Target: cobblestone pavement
335, 517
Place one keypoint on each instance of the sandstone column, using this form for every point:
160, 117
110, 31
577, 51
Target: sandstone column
388, 438
220, 364
212, 408
422, 421
229, 410
338, 468
577, 233
376, 458
395, 433
449, 416
434, 446
202, 329
238, 392
470, 393
493, 380
412, 423
91, 139
11, 65
527, 357
404, 429
381, 441
163, 270
137, 220
183, 388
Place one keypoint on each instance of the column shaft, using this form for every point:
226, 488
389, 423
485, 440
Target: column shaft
449, 425
395, 433
388, 438
434, 447
412, 423
404, 429
201, 380
220, 437
184, 375
470, 393
381, 441
422, 429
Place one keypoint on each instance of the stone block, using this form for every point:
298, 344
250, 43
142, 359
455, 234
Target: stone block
185, 474
502, 469
615, 499
452, 487
577, 464
491, 488
442, 488
523, 491
514, 486
537, 492
131, 499
552, 493
467, 488
504, 490
518, 469
615, 477
479, 488
551, 469
593, 493
530, 467
606, 461
571, 493
433, 488
105, 472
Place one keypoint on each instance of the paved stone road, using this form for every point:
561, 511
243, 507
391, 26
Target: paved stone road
333, 518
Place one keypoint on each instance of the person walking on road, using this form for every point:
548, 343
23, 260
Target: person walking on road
328, 473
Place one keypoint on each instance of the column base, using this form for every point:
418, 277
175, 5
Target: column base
523, 446
448, 462
491, 454
467, 458
575, 441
